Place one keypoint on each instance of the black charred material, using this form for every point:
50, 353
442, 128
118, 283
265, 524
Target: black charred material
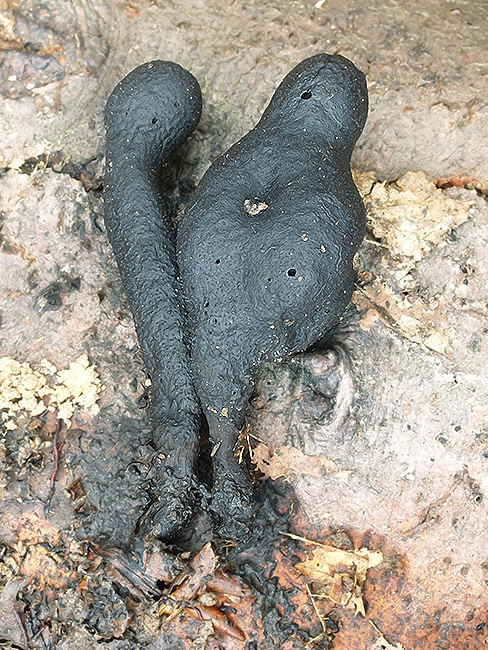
147, 117
266, 249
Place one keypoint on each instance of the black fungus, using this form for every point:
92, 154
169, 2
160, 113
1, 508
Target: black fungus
147, 117
265, 254
281, 213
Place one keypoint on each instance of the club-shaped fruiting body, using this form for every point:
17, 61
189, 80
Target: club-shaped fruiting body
264, 250
266, 246
148, 116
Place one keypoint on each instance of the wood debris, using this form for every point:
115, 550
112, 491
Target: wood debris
204, 593
407, 218
337, 574
418, 322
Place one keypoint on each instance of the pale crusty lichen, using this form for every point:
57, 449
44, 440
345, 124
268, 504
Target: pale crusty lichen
408, 218
411, 215
23, 389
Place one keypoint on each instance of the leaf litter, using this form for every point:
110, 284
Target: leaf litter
287, 461
337, 574
411, 215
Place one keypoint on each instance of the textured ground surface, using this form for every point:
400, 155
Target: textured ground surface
386, 444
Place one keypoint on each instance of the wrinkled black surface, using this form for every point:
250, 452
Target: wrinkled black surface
265, 252
266, 247
147, 117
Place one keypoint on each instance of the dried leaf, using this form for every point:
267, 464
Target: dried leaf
288, 461
136, 580
419, 322
30, 528
43, 567
25, 389
358, 603
365, 181
340, 589
160, 565
167, 607
76, 489
325, 561
221, 623
438, 342
203, 569
225, 585
338, 575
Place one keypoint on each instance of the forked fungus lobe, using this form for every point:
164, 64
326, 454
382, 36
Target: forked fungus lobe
263, 258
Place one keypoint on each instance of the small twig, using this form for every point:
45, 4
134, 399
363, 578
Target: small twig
52, 482
322, 623
251, 435
19, 620
430, 514
240, 454
471, 488
248, 441
304, 539
46, 645
215, 448
382, 639
174, 614
373, 242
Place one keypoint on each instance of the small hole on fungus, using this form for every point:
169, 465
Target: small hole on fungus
306, 95
217, 261
292, 272
154, 120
